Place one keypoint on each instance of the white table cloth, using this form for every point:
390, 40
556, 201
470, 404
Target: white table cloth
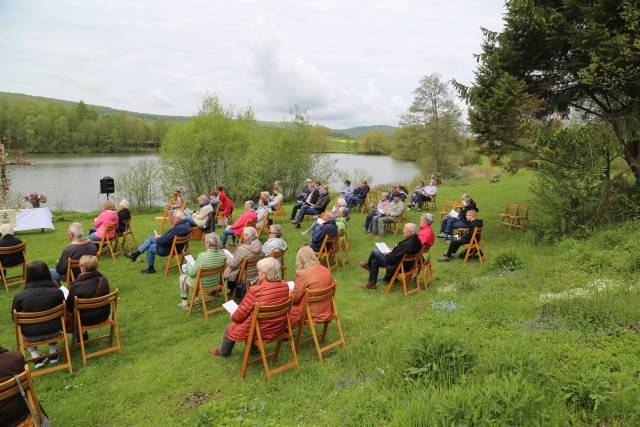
34, 219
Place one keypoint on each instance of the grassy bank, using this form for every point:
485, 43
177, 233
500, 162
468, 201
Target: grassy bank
521, 347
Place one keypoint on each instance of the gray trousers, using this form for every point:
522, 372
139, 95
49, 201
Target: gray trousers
377, 223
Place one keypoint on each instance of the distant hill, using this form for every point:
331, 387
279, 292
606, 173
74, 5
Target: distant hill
351, 133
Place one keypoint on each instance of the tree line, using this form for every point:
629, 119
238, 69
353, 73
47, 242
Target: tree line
52, 127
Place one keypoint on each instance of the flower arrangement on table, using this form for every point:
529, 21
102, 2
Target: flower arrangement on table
35, 199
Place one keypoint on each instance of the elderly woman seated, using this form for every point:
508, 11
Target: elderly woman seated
275, 240
310, 274
8, 240
213, 257
108, 218
235, 229
249, 249
376, 210
270, 290
124, 214
89, 284
199, 217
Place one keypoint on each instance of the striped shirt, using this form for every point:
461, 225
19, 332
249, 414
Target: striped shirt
211, 258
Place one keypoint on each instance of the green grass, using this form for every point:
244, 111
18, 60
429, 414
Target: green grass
503, 357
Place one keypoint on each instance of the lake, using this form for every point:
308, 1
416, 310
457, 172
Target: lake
72, 181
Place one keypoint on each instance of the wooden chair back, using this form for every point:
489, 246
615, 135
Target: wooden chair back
476, 246
9, 388
405, 275
264, 226
426, 271
279, 213
33, 318
306, 320
447, 206
431, 204
212, 292
397, 224
81, 304
247, 263
279, 255
18, 279
72, 265
328, 251
106, 243
343, 246
176, 254
122, 245
255, 338
165, 215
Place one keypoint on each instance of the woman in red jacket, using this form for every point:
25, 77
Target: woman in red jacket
226, 204
310, 275
270, 290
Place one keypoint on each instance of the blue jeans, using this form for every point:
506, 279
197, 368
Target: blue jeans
375, 261
452, 224
150, 247
354, 201
57, 276
95, 238
191, 221
225, 235
367, 221
307, 210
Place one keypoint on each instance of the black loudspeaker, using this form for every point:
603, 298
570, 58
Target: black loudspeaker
107, 186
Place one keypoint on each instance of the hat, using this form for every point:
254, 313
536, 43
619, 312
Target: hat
396, 194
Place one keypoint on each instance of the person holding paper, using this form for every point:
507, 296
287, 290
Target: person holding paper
274, 240
358, 196
310, 274
409, 246
452, 222
161, 245
213, 257
40, 293
199, 217
376, 210
319, 206
89, 284
319, 230
235, 229
270, 290
308, 198
249, 249
472, 222
390, 214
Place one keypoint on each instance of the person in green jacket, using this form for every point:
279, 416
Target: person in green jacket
211, 258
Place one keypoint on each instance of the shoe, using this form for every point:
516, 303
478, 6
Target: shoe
448, 238
183, 306
41, 363
214, 352
149, 270
293, 221
297, 225
132, 256
363, 265
370, 286
53, 361
444, 259
381, 235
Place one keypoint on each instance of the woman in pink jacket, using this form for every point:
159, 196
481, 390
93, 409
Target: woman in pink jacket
108, 217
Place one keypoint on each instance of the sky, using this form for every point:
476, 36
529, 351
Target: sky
346, 63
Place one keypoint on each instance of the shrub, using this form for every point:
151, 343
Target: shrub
507, 261
634, 263
139, 183
440, 359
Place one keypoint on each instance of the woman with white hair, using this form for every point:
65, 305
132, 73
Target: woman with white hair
8, 240
270, 290
426, 234
213, 257
248, 216
123, 215
250, 248
274, 240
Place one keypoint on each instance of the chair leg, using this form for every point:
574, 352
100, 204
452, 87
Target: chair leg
192, 300
276, 353
203, 304
245, 359
314, 336
263, 356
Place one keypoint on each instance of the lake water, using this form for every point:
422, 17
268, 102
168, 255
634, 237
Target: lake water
72, 181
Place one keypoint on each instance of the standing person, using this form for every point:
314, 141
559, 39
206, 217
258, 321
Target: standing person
78, 247
123, 215
161, 244
8, 240
212, 257
235, 229
39, 294
108, 218
310, 274
13, 411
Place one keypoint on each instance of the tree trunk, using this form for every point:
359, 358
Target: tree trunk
632, 157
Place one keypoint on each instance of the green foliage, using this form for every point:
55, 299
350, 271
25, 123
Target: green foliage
139, 183
375, 142
507, 261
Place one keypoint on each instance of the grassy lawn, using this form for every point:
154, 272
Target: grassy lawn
506, 352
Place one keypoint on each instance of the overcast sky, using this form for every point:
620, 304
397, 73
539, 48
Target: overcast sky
348, 63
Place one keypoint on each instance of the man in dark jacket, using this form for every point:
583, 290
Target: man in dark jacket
328, 227
89, 284
79, 246
409, 246
450, 224
315, 208
472, 224
359, 195
12, 410
8, 240
310, 199
161, 244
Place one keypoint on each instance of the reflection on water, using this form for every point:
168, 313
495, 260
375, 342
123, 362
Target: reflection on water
73, 180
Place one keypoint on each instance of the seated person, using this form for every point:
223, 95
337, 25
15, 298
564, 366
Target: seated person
199, 218
263, 208
235, 229
276, 197
409, 246
307, 187
212, 257
108, 218
449, 224
270, 290
403, 192
123, 215
13, 410
312, 197
161, 244
214, 200
348, 189
376, 210
423, 193
341, 219
426, 235
359, 195
325, 226
250, 248
40, 293
274, 241
89, 284
8, 240
472, 223
78, 247
314, 208
310, 274
392, 212
341, 203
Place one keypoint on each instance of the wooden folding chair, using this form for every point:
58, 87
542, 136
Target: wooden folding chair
373, 196
429, 204
255, 338
18, 279
55, 313
107, 243
364, 206
343, 246
208, 294
264, 227
447, 206
306, 320
279, 255
165, 216
521, 218
81, 304
121, 238
9, 388
279, 212
476, 246
177, 255
219, 214
510, 212
71, 276
397, 224
242, 273
328, 251
428, 278
404, 276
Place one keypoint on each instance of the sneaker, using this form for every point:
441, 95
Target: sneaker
53, 361
444, 259
148, 270
183, 306
41, 363
442, 235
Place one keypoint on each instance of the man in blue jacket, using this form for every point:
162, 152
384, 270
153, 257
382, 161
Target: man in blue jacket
161, 245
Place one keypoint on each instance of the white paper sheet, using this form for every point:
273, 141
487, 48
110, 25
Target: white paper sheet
189, 259
187, 211
291, 284
230, 306
382, 247
453, 213
65, 291
380, 210
228, 254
